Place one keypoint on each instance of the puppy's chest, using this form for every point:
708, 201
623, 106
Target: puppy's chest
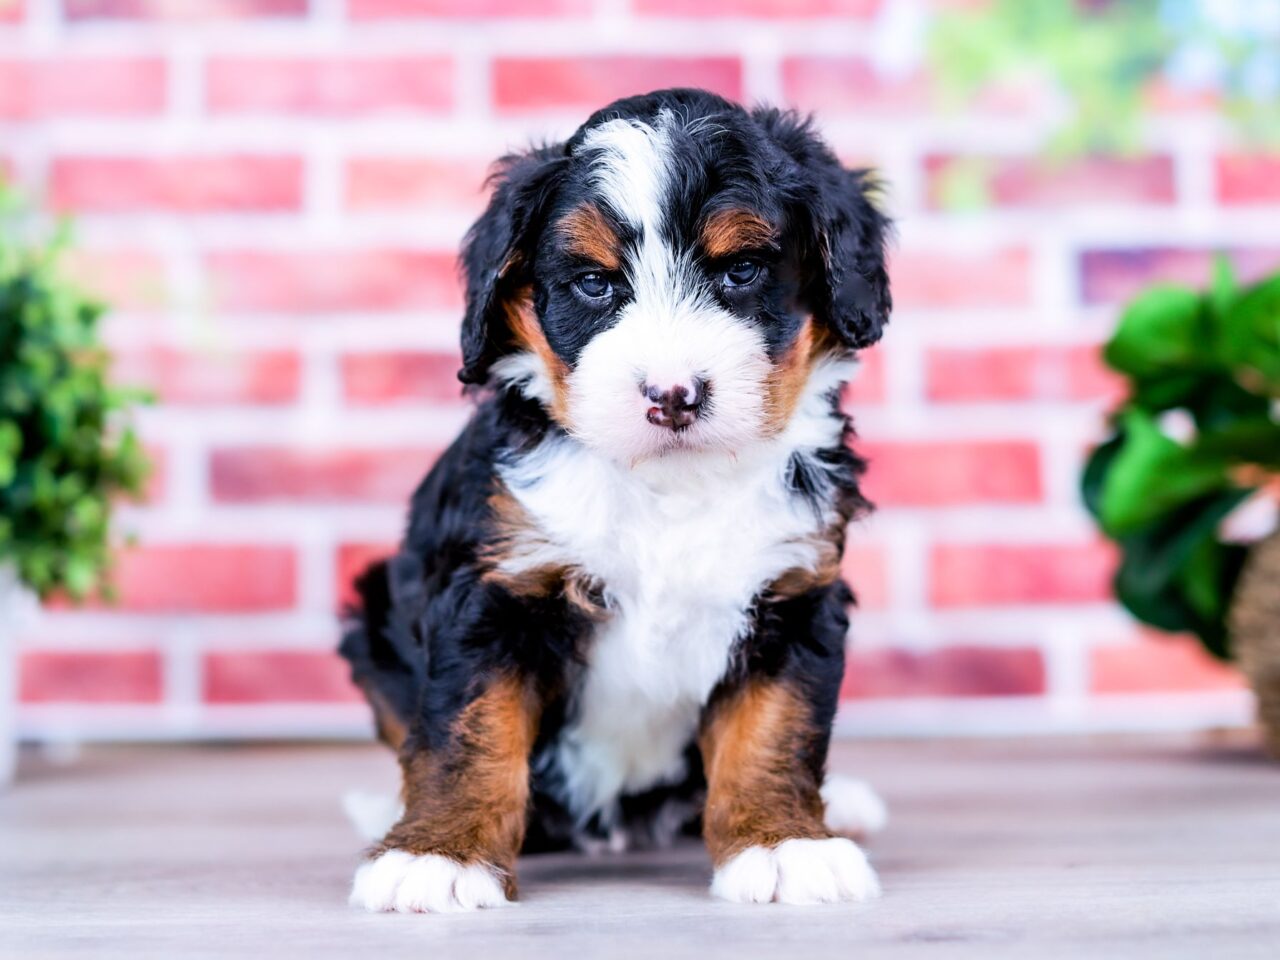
679, 558
680, 562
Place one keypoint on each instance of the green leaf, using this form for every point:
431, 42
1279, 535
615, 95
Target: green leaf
10, 448
1161, 332
80, 576
1096, 469
1152, 474
1220, 401
1199, 579
1255, 440
1222, 287
1251, 340
1208, 582
1168, 392
1169, 568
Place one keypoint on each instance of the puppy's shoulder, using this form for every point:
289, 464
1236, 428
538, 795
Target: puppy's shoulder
451, 508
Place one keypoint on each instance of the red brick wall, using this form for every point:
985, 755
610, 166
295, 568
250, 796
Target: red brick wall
272, 192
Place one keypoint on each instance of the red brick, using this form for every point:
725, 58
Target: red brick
258, 474
868, 386
467, 9
1115, 276
334, 86
206, 578
334, 281
866, 569
968, 575
1035, 182
375, 378
1248, 178
194, 184
838, 84
82, 676
585, 83
397, 183
759, 9
81, 86
351, 561
122, 278
277, 676
944, 473
987, 374
269, 377
184, 10
1159, 664
932, 279
960, 671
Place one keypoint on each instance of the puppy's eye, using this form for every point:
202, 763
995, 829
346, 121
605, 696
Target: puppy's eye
741, 274
594, 286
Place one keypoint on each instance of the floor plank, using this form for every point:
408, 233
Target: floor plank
1152, 847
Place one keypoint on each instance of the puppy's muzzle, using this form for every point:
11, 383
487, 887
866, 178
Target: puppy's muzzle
677, 406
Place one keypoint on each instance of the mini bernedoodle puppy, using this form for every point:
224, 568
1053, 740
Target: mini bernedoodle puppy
617, 614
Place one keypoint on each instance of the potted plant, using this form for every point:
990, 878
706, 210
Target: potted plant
65, 455
1197, 437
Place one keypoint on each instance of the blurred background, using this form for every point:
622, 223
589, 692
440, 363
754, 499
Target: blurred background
269, 195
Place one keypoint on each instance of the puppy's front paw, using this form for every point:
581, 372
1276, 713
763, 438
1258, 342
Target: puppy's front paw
797, 871
425, 883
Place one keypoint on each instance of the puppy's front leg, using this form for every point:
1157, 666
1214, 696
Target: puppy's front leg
466, 798
764, 814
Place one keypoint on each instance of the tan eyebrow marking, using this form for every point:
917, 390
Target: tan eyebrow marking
587, 234
727, 231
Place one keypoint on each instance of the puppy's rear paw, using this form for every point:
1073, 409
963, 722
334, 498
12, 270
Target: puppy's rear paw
853, 809
798, 871
426, 883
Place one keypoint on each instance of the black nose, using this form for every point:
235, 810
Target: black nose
676, 406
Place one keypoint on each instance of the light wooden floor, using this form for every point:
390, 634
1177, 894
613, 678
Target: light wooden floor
1062, 848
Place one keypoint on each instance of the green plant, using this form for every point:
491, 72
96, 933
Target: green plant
1198, 434
1105, 57
65, 456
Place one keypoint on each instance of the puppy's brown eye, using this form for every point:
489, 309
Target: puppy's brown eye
594, 286
741, 274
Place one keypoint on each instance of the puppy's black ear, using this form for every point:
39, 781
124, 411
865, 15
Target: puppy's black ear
498, 249
842, 233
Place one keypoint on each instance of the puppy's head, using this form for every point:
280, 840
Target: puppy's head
668, 278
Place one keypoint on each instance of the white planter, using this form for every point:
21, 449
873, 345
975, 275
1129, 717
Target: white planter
17, 606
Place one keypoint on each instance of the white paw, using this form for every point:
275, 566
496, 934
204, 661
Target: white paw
426, 883
798, 871
853, 808
372, 814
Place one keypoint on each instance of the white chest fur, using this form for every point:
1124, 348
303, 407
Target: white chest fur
682, 546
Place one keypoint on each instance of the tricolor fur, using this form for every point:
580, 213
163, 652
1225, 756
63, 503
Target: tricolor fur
617, 612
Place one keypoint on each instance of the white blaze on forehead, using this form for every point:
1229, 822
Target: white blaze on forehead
671, 330
633, 172
631, 169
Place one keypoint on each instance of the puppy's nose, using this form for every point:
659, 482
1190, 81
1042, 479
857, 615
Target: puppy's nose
675, 406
